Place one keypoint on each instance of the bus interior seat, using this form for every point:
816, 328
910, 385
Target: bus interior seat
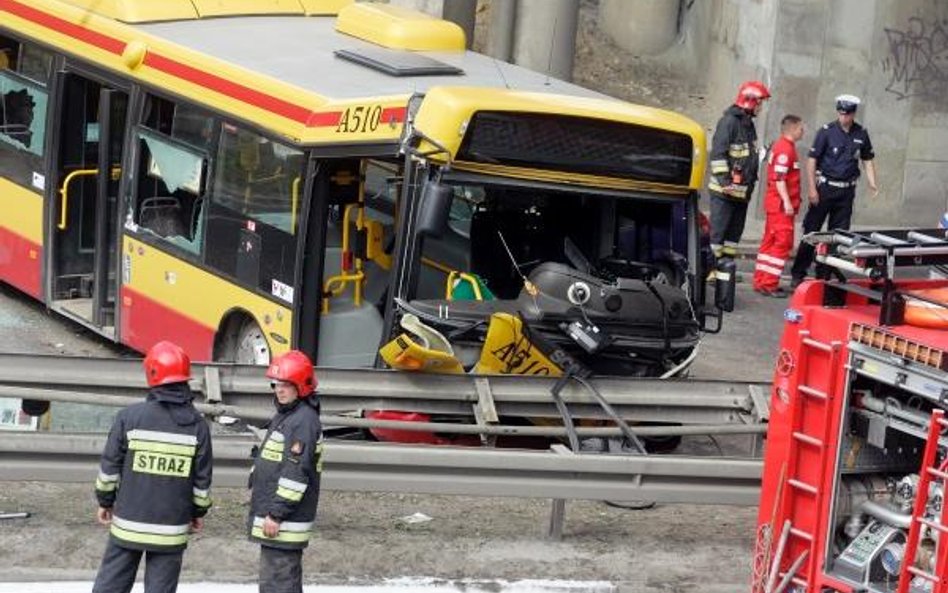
162, 215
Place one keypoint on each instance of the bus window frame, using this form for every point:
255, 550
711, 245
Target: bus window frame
407, 269
52, 113
273, 139
134, 200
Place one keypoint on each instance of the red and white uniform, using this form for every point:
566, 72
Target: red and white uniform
777, 241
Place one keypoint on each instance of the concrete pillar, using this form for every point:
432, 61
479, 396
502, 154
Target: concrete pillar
642, 27
503, 20
462, 12
545, 36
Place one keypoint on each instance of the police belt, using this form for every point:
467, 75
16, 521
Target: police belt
839, 184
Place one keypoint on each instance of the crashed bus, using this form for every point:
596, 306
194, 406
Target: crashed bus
356, 185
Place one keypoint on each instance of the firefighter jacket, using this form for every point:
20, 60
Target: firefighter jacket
155, 472
734, 161
285, 475
782, 165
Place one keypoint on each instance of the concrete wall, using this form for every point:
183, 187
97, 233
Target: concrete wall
891, 53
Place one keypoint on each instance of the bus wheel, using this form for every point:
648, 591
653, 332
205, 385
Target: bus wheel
251, 346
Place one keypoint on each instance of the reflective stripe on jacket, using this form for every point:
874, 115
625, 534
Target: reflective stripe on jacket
155, 471
285, 476
734, 148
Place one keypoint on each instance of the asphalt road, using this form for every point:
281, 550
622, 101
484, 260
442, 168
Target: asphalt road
685, 548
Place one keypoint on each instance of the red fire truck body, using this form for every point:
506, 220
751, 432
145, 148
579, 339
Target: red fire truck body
855, 462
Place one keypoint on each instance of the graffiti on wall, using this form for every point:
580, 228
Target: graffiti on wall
917, 63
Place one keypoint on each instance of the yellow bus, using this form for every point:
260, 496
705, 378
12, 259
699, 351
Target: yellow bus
247, 176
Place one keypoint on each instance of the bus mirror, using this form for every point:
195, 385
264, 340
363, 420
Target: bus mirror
434, 210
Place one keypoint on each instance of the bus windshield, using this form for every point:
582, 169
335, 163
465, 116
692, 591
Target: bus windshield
615, 263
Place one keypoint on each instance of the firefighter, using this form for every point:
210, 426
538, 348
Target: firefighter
154, 479
285, 475
781, 203
832, 169
734, 163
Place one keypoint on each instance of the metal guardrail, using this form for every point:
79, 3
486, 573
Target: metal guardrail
484, 398
369, 467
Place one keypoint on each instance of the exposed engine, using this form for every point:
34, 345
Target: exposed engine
620, 326
877, 491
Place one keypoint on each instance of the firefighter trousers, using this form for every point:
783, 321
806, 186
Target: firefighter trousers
119, 565
281, 571
775, 248
727, 224
836, 205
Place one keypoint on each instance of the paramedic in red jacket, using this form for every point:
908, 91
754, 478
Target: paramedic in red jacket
781, 203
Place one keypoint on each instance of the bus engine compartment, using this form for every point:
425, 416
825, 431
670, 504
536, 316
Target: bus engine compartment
602, 277
878, 477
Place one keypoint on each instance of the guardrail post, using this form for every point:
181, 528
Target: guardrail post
212, 385
557, 519
484, 410
558, 508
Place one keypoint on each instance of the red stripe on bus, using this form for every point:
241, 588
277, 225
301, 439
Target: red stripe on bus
324, 119
245, 94
49, 21
394, 114
21, 263
231, 89
146, 322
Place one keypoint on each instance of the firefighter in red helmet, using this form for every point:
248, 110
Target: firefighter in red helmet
285, 475
154, 478
734, 164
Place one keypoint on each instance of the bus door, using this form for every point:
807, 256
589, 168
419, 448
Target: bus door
82, 265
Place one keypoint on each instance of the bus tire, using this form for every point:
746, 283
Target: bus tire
243, 342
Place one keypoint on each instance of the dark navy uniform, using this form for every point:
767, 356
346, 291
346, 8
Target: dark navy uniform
837, 155
285, 482
155, 476
734, 171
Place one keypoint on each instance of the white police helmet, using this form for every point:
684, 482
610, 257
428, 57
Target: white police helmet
847, 103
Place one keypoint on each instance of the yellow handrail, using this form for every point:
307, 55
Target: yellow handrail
295, 191
475, 287
115, 172
436, 265
335, 285
64, 192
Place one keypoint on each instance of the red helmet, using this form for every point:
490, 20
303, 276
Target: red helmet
166, 363
751, 94
296, 368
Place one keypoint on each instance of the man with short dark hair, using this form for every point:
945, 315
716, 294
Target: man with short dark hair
832, 170
781, 203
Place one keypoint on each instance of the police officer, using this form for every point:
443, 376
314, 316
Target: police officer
734, 165
285, 475
832, 170
154, 479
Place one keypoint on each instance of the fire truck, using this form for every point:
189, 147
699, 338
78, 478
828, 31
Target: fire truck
855, 468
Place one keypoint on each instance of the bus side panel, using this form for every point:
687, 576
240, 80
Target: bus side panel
167, 298
21, 238
146, 322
